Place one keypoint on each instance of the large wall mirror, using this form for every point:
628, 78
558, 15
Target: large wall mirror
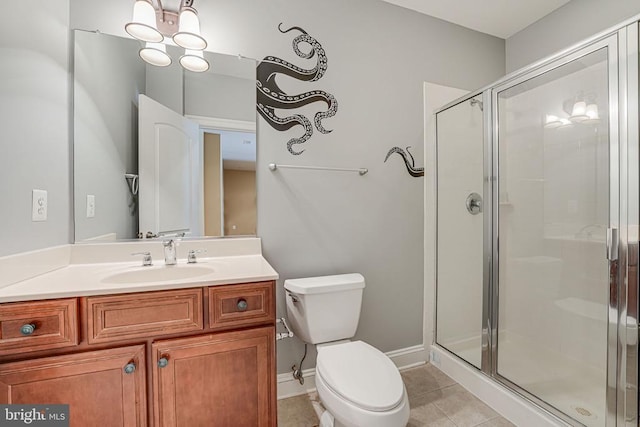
159, 151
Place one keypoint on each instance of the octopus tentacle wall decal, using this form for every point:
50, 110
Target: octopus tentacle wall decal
411, 167
270, 97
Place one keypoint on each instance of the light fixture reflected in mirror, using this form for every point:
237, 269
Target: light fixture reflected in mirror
151, 25
193, 60
155, 54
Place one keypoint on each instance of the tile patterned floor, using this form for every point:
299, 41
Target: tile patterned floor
436, 400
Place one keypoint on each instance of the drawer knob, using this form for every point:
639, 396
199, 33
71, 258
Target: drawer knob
27, 329
130, 368
242, 304
163, 362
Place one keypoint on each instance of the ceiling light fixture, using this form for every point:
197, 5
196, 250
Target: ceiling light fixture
151, 25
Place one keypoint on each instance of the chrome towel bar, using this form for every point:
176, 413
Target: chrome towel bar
361, 171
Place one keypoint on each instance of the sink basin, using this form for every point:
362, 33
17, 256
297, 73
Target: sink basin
161, 273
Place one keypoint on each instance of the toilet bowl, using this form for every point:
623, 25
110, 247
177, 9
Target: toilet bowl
358, 385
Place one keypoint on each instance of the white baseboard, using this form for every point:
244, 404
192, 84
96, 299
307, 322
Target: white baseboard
404, 358
502, 400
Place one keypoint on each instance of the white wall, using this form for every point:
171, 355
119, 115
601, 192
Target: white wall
316, 223
573, 22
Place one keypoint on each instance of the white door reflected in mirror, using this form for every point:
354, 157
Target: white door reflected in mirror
170, 194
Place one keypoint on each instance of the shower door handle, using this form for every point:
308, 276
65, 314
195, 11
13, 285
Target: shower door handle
612, 244
474, 203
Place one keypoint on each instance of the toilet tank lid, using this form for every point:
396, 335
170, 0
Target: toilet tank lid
323, 284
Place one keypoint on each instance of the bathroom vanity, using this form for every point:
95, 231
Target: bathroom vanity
182, 352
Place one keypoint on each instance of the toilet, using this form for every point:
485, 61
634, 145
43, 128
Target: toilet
358, 385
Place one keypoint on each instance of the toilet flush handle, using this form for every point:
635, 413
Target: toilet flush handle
293, 297
283, 335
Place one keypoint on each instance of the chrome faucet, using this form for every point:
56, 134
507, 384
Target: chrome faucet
169, 252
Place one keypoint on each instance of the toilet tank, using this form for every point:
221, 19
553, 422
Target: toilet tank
326, 308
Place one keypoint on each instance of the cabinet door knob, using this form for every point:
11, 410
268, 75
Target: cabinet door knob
242, 304
163, 362
27, 329
130, 368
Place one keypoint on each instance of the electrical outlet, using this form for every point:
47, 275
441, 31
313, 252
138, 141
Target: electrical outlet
39, 205
91, 206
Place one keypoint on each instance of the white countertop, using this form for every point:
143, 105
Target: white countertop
84, 279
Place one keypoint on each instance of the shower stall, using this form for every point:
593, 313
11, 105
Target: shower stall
537, 231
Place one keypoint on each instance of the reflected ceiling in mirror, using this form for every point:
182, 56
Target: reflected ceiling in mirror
185, 165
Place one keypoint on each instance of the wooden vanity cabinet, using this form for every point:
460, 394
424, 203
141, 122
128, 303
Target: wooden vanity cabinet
184, 357
215, 380
102, 388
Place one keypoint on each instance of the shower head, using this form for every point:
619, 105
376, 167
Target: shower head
476, 102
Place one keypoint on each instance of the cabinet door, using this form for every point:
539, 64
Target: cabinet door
216, 380
102, 388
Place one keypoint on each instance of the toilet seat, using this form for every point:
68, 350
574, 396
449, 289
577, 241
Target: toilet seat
361, 375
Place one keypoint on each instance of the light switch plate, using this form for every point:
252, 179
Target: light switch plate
91, 206
39, 205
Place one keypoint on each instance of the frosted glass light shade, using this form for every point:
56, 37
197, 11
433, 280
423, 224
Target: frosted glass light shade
592, 113
155, 54
193, 60
143, 25
565, 123
578, 114
188, 35
552, 122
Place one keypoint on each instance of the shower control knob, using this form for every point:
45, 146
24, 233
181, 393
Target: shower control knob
474, 203
242, 304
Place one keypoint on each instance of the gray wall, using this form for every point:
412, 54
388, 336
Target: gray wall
564, 27
316, 223
34, 123
108, 75
220, 96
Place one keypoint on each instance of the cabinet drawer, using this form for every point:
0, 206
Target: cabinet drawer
241, 305
38, 325
143, 315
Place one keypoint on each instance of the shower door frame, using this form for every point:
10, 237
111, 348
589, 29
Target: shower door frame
623, 60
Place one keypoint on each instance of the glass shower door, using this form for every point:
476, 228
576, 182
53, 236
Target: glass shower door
556, 199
